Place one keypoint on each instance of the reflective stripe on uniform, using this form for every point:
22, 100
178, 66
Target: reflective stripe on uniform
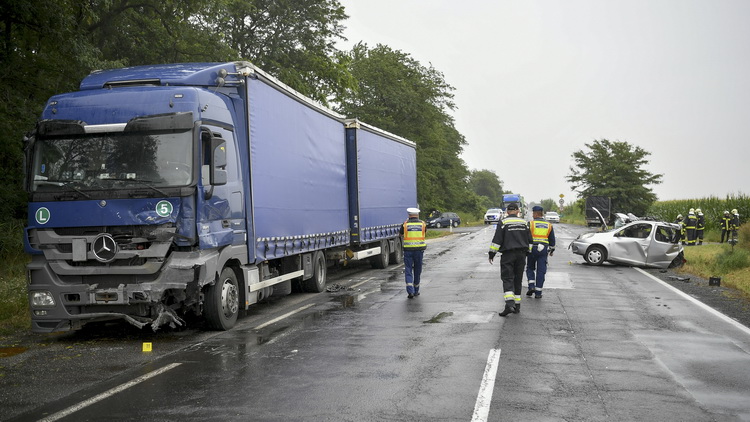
509, 296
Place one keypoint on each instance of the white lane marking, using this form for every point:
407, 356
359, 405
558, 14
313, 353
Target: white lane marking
266, 324
354, 286
699, 303
106, 394
482, 407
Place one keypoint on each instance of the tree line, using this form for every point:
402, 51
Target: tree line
49, 47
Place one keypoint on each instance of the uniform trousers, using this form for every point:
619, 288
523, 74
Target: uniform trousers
412, 269
512, 264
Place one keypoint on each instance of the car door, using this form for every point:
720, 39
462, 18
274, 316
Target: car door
662, 250
630, 244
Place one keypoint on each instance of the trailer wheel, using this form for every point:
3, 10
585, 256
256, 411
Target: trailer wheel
397, 255
317, 283
222, 302
381, 261
595, 255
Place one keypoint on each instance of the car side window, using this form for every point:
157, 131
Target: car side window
638, 231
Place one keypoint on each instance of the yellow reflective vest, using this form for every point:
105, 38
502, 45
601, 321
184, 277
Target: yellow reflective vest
414, 235
540, 231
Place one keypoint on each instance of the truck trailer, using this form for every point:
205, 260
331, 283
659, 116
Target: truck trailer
200, 188
598, 208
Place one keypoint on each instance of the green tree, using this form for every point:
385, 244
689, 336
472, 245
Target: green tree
486, 183
398, 94
614, 169
292, 39
549, 205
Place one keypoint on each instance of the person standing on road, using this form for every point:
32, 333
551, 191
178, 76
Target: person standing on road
726, 226
413, 232
543, 236
679, 221
513, 241
690, 223
700, 224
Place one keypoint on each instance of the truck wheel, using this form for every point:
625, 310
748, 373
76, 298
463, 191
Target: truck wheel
317, 283
595, 255
381, 261
397, 256
222, 301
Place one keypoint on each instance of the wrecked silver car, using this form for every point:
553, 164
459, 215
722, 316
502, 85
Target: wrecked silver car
653, 244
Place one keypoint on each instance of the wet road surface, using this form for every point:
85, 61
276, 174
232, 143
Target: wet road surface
605, 343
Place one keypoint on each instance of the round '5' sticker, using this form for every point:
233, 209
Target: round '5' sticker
164, 208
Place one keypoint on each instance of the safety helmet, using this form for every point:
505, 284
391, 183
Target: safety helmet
698, 211
726, 212
679, 216
692, 211
734, 211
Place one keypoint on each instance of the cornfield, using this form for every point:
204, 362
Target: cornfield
713, 209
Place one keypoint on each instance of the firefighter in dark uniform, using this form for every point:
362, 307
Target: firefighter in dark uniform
414, 243
679, 221
543, 236
513, 241
700, 225
726, 226
690, 223
734, 225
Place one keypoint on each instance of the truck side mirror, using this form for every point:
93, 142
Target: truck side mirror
218, 172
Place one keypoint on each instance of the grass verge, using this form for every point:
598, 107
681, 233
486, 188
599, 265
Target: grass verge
720, 260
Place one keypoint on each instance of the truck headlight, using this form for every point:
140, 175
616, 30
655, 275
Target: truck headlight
42, 299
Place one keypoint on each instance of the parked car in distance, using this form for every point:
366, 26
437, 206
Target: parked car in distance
493, 215
445, 219
552, 217
653, 244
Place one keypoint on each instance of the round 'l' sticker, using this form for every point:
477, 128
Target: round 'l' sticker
42, 215
164, 208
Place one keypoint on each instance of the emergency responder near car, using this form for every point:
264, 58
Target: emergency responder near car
735, 225
679, 221
690, 223
726, 226
700, 224
543, 236
413, 232
513, 241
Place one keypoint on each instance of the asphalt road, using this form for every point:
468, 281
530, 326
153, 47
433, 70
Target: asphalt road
605, 343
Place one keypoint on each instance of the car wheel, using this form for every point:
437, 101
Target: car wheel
595, 255
678, 261
438, 225
455, 224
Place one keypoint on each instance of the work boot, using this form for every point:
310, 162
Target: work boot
538, 295
509, 308
532, 288
517, 309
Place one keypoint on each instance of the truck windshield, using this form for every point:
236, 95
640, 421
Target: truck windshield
112, 161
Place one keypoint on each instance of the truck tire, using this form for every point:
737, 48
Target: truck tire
222, 301
381, 261
595, 255
397, 255
317, 283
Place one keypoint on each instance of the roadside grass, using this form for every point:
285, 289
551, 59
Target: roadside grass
720, 260
14, 306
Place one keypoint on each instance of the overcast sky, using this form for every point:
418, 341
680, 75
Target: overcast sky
537, 80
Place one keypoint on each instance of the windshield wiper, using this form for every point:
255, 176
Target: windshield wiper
64, 184
146, 183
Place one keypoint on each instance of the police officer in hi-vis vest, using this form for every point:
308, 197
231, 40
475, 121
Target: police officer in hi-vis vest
513, 241
413, 232
544, 245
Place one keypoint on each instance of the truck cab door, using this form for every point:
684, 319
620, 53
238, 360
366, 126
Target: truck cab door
220, 211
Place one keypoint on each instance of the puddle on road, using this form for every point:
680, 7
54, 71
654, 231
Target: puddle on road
6, 352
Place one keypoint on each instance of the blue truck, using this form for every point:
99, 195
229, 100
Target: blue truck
518, 199
157, 192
